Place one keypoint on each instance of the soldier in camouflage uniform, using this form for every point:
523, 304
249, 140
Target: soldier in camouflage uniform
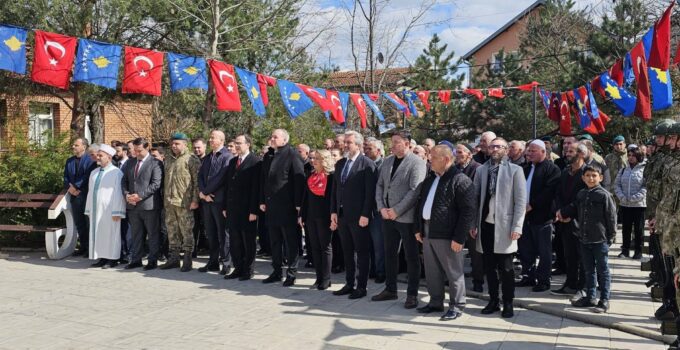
668, 210
181, 197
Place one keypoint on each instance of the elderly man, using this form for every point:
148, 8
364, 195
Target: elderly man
500, 199
428, 143
542, 176
280, 199
241, 207
396, 196
76, 176
105, 207
464, 161
142, 181
443, 219
616, 161
180, 189
352, 205
211, 178
303, 151
516, 152
374, 149
483, 155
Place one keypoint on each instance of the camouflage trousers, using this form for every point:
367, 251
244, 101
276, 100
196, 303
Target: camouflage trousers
180, 223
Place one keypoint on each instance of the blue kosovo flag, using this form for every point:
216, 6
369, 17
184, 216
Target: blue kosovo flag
97, 63
647, 41
344, 100
373, 106
249, 81
624, 101
594, 111
584, 119
13, 49
295, 100
410, 97
187, 72
662, 89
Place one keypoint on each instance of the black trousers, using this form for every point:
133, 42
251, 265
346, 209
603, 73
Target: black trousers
199, 229
576, 277
144, 222
498, 267
215, 229
632, 221
81, 220
243, 247
263, 234
396, 233
355, 239
288, 236
320, 236
476, 261
338, 254
558, 247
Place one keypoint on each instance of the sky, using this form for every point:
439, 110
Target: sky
461, 24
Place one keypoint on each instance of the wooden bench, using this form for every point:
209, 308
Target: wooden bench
56, 204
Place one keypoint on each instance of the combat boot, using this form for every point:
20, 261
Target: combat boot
172, 262
186, 264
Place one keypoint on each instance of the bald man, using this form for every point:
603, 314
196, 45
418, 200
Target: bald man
484, 140
211, 179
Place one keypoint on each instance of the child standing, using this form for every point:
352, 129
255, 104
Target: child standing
595, 211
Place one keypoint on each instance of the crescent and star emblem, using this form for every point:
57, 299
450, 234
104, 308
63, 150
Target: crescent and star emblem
143, 73
222, 73
58, 47
564, 105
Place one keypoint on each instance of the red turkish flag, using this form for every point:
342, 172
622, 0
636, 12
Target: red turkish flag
53, 59
643, 109
374, 97
554, 110
596, 86
226, 88
476, 93
660, 54
616, 72
528, 87
143, 71
336, 112
424, 96
263, 81
496, 92
444, 96
676, 59
361, 108
317, 97
565, 115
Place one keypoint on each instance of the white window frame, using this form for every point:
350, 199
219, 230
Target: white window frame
36, 131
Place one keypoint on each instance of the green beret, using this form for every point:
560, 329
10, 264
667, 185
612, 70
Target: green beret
585, 137
618, 138
179, 136
546, 139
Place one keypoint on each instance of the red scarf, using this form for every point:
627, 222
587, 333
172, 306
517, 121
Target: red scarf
317, 183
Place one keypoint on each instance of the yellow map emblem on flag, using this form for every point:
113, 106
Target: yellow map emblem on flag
295, 96
13, 43
191, 70
613, 92
253, 90
101, 62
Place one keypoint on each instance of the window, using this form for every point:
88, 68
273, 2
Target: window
496, 63
40, 122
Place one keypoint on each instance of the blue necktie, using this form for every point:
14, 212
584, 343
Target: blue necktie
345, 172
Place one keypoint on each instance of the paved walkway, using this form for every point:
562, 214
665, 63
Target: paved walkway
64, 304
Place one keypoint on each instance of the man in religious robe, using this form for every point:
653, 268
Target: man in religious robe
105, 207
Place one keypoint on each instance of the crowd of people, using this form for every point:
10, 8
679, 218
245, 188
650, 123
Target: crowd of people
353, 207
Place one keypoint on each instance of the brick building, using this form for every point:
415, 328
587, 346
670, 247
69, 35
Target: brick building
40, 115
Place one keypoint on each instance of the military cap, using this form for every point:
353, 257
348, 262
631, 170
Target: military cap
179, 136
662, 127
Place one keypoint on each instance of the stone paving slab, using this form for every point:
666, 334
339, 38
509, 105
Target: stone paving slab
63, 304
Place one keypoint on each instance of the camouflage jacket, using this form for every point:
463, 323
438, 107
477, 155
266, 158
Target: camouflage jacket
652, 177
181, 179
615, 162
668, 210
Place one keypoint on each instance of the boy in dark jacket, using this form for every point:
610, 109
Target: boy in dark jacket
595, 213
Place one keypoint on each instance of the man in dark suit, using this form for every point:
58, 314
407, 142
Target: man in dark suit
211, 180
142, 181
280, 199
352, 205
76, 179
543, 177
241, 202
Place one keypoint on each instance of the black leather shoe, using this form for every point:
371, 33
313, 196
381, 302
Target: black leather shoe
315, 285
428, 308
345, 290
358, 293
133, 265
110, 264
508, 310
450, 315
246, 276
324, 285
526, 282
541, 287
150, 266
272, 279
233, 275
583, 302
289, 282
491, 307
411, 302
99, 263
170, 264
637, 256
123, 261
385, 295
209, 267
226, 269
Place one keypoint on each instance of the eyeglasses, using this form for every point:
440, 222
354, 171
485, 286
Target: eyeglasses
497, 146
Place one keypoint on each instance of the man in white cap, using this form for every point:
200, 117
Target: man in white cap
105, 207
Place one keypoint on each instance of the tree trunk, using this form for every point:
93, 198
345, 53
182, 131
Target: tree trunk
96, 122
214, 39
77, 118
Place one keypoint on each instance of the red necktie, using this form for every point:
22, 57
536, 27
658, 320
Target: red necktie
238, 163
139, 165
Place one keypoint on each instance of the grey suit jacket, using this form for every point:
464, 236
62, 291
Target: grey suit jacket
510, 204
147, 184
401, 191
